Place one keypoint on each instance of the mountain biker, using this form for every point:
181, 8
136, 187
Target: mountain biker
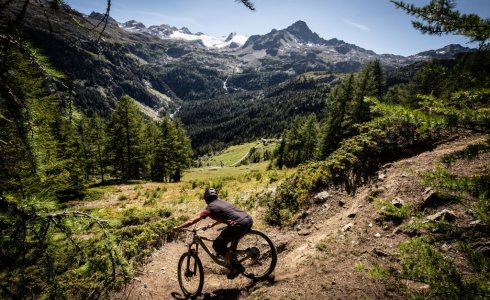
238, 221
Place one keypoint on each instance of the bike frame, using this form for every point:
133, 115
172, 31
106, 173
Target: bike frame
197, 241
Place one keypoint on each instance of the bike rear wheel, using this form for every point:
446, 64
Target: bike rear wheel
256, 252
190, 274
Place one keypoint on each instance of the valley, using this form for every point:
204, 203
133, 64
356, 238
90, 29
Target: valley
370, 172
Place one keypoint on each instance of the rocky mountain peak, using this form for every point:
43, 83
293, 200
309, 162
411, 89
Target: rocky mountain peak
134, 24
301, 31
99, 16
230, 36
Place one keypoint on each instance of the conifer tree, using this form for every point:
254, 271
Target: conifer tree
440, 17
125, 139
337, 102
310, 138
183, 151
166, 143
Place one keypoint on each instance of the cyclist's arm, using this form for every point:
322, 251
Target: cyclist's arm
189, 223
214, 224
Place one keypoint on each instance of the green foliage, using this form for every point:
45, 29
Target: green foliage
378, 272
355, 160
389, 212
477, 186
461, 109
439, 17
468, 153
424, 262
53, 255
299, 142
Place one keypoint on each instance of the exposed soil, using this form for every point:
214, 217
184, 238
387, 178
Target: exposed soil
336, 250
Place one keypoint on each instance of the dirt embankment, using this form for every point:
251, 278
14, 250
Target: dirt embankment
337, 250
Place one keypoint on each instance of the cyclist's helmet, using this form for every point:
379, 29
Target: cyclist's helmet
210, 194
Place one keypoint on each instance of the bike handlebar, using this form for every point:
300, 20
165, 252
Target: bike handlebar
203, 228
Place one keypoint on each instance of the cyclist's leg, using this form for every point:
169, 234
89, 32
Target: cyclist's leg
221, 242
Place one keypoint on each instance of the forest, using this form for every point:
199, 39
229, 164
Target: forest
334, 131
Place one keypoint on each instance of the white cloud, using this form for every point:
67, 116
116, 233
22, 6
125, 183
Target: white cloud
357, 25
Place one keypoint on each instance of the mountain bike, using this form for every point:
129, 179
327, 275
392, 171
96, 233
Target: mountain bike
254, 250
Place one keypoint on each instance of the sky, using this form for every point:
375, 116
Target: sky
371, 24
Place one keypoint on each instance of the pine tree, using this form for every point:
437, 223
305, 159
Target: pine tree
125, 134
166, 144
310, 138
333, 126
183, 151
439, 17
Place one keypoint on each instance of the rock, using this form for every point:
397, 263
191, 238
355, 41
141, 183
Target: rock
321, 197
475, 223
377, 235
370, 225
417, 286
380, 252
445, 214
352, 215
281, 245
347, 227
304, 232
397, 202
432, 198
445, 247
341, 202
381, 176
376, 192
396, 230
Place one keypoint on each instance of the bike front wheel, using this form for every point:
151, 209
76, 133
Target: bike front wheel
256, 252
190, 274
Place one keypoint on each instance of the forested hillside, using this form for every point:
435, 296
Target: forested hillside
100, 129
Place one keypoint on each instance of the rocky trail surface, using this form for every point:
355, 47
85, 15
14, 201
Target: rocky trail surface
336, 249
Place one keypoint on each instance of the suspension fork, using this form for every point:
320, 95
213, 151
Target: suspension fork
192, 251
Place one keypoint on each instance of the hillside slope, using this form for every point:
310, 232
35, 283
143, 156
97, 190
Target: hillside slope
337, 250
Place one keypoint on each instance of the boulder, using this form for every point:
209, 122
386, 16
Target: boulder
352, 215
347, 227
445, 214
321, 197
397, 202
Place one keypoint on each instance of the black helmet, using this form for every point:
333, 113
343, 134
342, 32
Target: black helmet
210, 194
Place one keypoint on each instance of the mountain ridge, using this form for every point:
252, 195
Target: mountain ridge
161, 73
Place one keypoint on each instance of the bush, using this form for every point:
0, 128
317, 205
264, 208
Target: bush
353, 162
389, 212
423, 262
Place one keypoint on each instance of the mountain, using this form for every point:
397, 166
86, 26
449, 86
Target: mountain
165, 31
298, 35
163, 67
447, 52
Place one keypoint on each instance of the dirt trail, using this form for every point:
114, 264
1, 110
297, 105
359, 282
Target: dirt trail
326, 256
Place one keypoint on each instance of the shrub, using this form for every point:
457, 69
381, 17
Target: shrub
353, 162
421, 261
389, 212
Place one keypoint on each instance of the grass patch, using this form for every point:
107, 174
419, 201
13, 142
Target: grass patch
389, 212
378, 272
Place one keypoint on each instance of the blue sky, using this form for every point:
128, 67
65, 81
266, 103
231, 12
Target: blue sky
372, 24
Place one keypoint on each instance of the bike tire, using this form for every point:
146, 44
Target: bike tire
195, 267
254, 241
